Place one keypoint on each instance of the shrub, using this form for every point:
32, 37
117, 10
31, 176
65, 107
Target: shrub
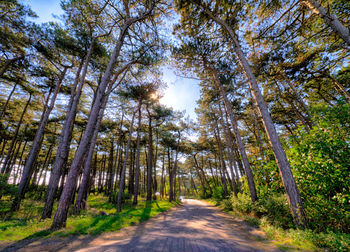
276, 210
320, 163
227, 204
242, 203
218, 193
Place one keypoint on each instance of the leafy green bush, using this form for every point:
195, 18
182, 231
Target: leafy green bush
218, 193
242, 203
276, 210
321, 166
226, 204
273, 208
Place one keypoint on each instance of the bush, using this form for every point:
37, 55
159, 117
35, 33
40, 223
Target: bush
320, 163
218, 193
276, 210
227, 204
273, 208
242, 203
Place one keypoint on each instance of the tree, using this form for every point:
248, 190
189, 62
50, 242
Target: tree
203, 9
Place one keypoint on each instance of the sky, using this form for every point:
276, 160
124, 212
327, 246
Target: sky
181, 93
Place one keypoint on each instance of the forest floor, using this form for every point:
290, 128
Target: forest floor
194, 226
24, 228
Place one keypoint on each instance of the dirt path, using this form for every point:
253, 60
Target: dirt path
195, 226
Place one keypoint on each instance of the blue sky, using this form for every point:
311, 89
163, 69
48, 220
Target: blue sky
181, 93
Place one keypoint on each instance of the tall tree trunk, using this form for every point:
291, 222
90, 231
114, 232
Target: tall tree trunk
202, 174
221, 157
241, 147
36, 145
83, 188
65, 137
162, 178
6, 165
229, 151
122, 177
170, 171
290, 186
137, 168
330, 19
150, 157
7, 101
63, 205
20, 163
15, 156
116, 160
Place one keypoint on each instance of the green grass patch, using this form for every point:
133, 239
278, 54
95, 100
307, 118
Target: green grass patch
25, 223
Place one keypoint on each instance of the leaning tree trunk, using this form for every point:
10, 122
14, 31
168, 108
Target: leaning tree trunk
80, 204
7, 101
221, 156
6, 164
229, 151
330, 19
289, 183
122, 176
241, 147
65, 137
36, 146
64, 202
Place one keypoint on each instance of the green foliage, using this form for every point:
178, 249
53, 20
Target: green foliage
218, 193
320, 163
271, 214
242, 203
204, 193
274, 208
5, 188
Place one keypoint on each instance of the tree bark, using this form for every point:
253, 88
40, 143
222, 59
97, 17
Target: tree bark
150, 157
8, 100
122, 177
65, 137
36, 145
330, 19
6, 165
62, 210
137, 168
241, 147
290, 186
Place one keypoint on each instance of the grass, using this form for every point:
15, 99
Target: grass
293, 238
25, 223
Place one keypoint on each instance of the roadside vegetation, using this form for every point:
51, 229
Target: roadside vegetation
100, 216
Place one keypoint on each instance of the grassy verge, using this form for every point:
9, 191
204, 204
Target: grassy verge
25, 223
291, 238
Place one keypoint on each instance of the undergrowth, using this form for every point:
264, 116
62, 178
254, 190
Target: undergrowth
272, 215
100, 216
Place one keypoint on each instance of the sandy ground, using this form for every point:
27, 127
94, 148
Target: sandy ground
194, 226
